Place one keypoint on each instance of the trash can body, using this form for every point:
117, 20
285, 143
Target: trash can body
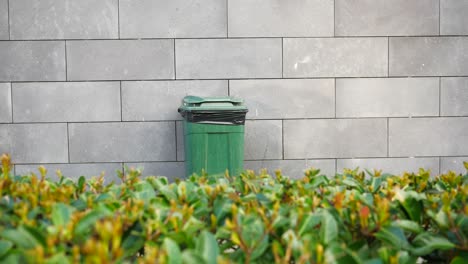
214, 134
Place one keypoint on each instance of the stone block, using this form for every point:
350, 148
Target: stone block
282, 98
411, 137
263, 140
32, 61
4, 27
64, 19
454, 97
173, 19
386, 18
228, 58
122, 142
34, 143
382, 97
278, 18
180, 141
335, 138
454, 164
120, 59
66, 102
453, 17
335, 57
429, 56
5, 103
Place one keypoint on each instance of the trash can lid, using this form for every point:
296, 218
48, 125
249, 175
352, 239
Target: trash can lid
213, 110
195, 103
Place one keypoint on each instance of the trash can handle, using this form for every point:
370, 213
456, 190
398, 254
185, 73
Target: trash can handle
198, 101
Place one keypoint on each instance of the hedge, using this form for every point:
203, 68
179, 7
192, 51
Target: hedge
353, 217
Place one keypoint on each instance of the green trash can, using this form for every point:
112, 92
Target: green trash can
214, 134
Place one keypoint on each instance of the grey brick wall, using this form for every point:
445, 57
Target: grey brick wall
92, 85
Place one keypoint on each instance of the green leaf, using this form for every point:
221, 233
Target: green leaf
59, 258
370, 173
465, 163
341, 255
351, 182
81, 182
405, 258
375, 183
282, 222
408, 225
13, 258
173, 251
309, 223
21, 238
144, 191
221, 207
207, 247
329, 228
440, 218
319, 180
367, 199
260, 248
168, 193
103, 197
252, 230
459, 260
411, 203
462, 222
191, 257
132, 243
80, 204
193, 225
425, 243
5, 246
374, 261
312, 172
289, 238
192, 195
393, 236
158, 182
88, 221
37, 234
61, 214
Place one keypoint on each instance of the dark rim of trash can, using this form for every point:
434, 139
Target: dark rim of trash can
233, 117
